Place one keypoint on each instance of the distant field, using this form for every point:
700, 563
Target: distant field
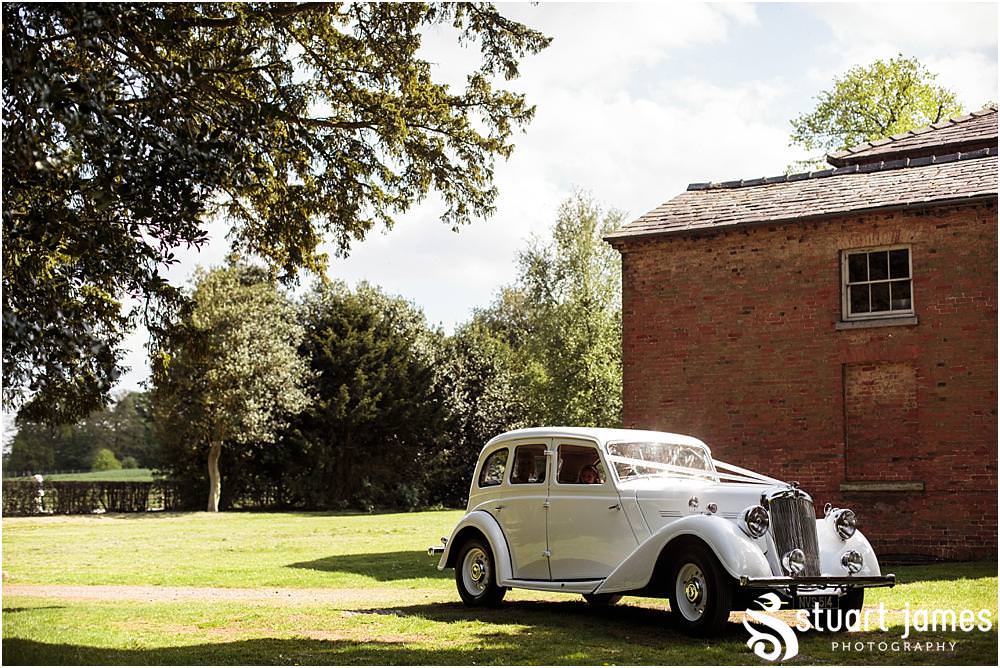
119, 475
325, 588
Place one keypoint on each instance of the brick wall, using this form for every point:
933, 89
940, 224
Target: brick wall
732, 337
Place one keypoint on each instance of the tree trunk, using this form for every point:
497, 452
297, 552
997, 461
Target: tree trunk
214, 481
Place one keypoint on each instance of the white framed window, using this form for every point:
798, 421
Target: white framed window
877, 282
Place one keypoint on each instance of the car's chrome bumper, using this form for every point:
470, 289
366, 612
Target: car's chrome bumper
819, 582
435, 550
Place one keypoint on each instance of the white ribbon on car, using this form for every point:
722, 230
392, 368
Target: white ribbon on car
730, 473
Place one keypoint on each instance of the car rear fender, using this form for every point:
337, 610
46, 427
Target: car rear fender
738, 554
482, 522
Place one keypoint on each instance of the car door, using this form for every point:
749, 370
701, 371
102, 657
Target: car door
588, 532
522, 516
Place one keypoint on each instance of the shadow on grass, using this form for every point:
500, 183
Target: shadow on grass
382, 566
10, 611
516, 633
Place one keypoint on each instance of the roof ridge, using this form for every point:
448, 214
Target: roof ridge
882, 141
882, 166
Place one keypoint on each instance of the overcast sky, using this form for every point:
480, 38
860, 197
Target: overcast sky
634, 102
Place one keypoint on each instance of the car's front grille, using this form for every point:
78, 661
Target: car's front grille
793, 525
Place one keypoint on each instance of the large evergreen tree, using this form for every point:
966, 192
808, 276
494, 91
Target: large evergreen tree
380, 413
126, 126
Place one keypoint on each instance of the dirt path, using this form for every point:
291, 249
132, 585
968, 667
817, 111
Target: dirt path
290, 596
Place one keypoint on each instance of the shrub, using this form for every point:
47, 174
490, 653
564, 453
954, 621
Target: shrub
105, 460
21, 497
130, 463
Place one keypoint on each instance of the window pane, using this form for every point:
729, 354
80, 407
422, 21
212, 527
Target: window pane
859, 299
901, 296
880, 297
878, 268
579, 465
857, 267
493, 469
529, 464
899, 263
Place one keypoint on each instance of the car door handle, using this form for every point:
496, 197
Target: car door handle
498, 507
617, 506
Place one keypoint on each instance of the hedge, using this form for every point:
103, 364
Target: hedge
21, 497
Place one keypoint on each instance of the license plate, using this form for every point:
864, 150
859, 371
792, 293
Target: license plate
825, 602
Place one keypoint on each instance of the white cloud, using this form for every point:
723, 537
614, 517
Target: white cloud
956, 41
604, 44
971, 74
913, 26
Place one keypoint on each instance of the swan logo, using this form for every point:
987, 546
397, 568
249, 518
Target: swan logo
769, 646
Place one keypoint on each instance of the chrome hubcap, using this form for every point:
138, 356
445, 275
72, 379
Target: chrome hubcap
691, 590
476, 571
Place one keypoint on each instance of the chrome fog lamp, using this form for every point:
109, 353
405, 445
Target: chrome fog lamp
852, 561
794, 561
755, 521
846, 523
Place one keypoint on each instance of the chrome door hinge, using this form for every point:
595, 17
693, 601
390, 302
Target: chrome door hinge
547, 553
546, 504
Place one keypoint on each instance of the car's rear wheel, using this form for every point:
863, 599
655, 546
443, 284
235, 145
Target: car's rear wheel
475, 575
602, 600
700, 592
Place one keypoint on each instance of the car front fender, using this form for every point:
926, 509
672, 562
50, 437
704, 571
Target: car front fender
485, 524
832, 548
738, 554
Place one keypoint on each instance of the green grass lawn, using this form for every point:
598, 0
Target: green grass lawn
368, 594
118, 475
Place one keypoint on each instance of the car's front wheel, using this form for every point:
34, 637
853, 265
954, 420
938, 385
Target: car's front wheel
700, 592
475, 575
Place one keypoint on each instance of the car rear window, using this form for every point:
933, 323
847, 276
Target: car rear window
494, 468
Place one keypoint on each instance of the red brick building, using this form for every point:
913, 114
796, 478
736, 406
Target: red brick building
838, 328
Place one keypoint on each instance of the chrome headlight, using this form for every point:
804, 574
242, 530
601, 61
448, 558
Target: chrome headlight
852, 561
846, 523
794, 561
755, 521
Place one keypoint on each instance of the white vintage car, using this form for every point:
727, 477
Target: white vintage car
610, 512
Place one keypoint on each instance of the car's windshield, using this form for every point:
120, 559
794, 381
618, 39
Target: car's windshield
634, 460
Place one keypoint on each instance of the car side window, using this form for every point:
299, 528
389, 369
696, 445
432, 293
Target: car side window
529, 465
580, 465
494, 468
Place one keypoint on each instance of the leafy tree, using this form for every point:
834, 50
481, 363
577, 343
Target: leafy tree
126, 126
573, 282
482, 382
379, 413
563, 319
871, 102
105, 460
126, 428
42, 448
228, 371
32, 450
